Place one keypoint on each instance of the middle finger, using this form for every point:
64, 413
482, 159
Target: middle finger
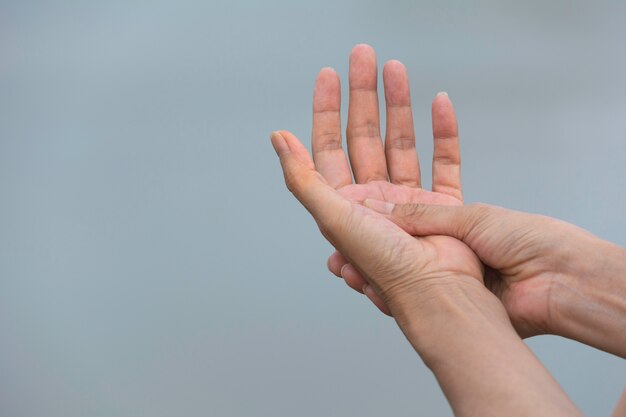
365, 146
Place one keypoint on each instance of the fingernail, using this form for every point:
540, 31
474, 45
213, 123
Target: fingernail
279, 143
382, 207
365, 288
343, 270
442, 93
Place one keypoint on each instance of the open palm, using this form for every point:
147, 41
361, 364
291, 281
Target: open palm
390, 171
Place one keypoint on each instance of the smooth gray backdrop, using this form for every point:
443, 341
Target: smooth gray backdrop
152, 262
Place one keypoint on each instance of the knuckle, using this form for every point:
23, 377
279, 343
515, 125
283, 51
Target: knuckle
411, 211
477, 218
401, 143
368, 129
328, 141
446, 160
292, 182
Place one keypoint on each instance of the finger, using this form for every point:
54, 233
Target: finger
459, 222
336, 261
308, 186
376, 300
446, 153
330, 159
358, 233
402, 161
365, 145
353, 278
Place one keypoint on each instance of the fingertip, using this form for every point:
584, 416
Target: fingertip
396, 81
327, 74
327, 91
363, 66
295, 158
293, 143
352, 277
443, 117
335, 262
362, 48
442, 99
279, 143
379, 206
393, 66
344, 270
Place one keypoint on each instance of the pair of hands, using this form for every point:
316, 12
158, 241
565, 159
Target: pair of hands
389, 174
397, 242
463, 282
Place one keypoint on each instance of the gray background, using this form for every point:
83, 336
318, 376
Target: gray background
152, 262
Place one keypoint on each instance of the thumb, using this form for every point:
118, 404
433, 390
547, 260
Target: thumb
306, 184
426, 220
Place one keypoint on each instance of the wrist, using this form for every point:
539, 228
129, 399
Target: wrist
463, 334
437, 314
588, 300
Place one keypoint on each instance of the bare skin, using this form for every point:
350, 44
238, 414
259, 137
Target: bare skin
433, 285
552, 277
387, 172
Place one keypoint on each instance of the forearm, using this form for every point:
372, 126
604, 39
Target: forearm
482, 366
589, 301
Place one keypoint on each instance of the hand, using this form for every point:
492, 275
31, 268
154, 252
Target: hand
399, 268
390, 172
433, 286
528, 293
551, 276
